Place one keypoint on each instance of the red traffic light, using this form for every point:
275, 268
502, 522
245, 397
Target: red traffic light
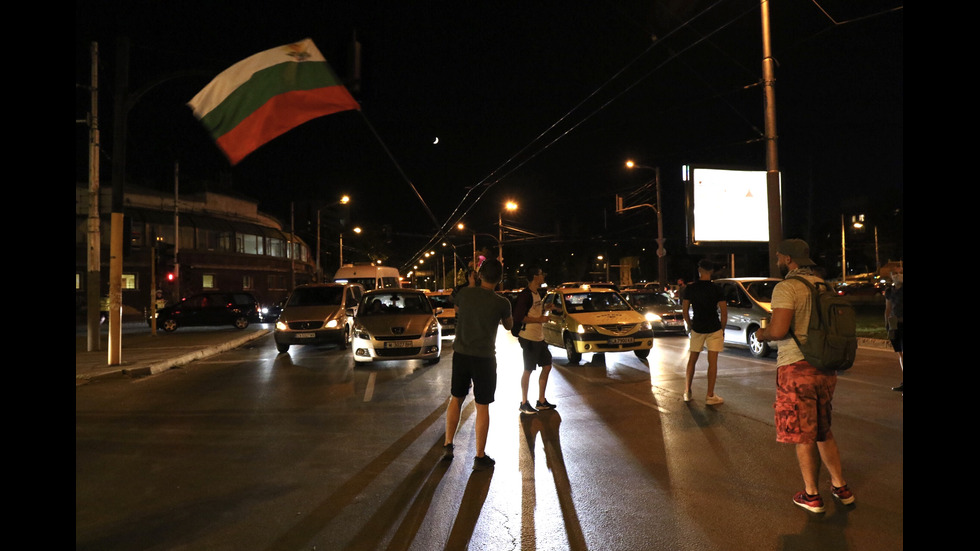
171, 276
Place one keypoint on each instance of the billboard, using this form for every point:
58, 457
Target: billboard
729, 206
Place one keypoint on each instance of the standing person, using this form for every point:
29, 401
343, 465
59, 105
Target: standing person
803, 392
707, 329
479, 310
894, 312
528, 317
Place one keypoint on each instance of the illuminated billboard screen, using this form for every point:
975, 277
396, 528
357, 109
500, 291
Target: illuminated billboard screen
727, 205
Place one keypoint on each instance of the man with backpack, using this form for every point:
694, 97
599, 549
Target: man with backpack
803, 392
528, 320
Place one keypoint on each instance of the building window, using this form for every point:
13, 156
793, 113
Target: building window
246, 282
129, 281
207, 281
252, 244
277, 247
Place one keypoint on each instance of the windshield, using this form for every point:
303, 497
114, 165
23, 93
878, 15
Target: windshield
593, 302
394, 303
641, 300
441, 301
316, 296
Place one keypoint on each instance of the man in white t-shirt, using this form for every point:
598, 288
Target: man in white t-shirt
529, 315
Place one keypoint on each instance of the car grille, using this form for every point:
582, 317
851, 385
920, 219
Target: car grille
619, 329
398, 338
672, 317
305, 325
397, 352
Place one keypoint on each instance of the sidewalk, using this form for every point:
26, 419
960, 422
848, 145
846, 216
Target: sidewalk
143, 353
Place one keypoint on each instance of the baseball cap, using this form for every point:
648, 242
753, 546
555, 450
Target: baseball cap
798, 250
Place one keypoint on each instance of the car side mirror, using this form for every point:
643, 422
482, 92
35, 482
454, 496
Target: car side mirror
437, 311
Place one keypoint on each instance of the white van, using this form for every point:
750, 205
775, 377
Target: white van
370, 276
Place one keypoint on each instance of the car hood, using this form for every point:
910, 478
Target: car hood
607, 318
661, 310
395, 324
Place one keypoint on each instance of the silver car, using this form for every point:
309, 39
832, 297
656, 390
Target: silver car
396, 324
749, 301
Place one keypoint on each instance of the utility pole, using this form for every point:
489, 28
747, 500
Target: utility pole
93, 282
772, 156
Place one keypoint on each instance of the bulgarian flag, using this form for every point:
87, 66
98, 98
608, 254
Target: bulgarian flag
268, 94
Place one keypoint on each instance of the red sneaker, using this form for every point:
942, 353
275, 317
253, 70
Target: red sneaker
814, 504
845, 495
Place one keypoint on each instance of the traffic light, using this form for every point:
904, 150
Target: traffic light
171, 276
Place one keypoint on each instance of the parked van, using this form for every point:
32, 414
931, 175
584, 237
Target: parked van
370, 276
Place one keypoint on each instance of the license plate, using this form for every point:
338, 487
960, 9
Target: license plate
621, 340
305, 335
398, 344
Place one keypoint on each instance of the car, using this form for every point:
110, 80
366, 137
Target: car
396, 324
271, 313
594, 319
447, 317
237, 309
663, 313
318, 313
749, 302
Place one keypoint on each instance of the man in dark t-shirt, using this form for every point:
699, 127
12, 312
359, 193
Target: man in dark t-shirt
706, 327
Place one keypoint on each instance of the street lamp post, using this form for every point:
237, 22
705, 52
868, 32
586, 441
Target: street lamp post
511, 206
341, 256
319, 271
661, 252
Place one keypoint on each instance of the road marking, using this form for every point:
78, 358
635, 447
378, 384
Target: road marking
369, 390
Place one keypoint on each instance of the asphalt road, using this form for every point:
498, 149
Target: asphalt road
250, 449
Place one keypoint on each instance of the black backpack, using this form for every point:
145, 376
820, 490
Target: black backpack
831, 342
522, 304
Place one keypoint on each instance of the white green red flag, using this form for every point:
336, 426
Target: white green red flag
268, 94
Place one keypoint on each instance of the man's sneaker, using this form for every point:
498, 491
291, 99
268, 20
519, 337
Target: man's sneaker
687, 396
447, 452
814, 504
714, 400
545, 405
843, 493
481, 463
526, 407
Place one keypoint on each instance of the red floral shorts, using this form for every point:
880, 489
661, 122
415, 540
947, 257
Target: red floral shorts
803, 403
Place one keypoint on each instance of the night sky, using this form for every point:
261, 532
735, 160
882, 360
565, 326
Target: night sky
541, 102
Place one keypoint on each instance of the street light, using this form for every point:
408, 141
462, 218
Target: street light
319, 273
661, 253
355, 230
511, 206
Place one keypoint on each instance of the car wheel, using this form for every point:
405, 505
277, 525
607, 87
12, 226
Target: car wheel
759, 349
170, 325
642, 354
345, 342
241, 322
573, 356
282, 348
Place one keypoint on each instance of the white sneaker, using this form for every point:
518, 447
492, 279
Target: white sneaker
687, 396
714, 400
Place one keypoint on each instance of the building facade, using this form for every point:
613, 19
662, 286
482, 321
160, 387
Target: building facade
204, 241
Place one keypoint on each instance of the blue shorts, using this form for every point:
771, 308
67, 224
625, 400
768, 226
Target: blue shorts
535, 353
477, 371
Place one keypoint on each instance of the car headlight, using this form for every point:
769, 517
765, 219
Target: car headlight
646, 325
432, 329
360, 333
651, 317
332, 324
281, 326
582, 329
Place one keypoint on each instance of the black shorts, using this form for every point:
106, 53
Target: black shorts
535, 353
481, 372
897, 338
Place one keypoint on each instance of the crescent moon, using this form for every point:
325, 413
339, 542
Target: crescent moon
436, 140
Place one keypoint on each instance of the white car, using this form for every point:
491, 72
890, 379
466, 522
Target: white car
749, 300
594, 319
396, 324
447, 317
